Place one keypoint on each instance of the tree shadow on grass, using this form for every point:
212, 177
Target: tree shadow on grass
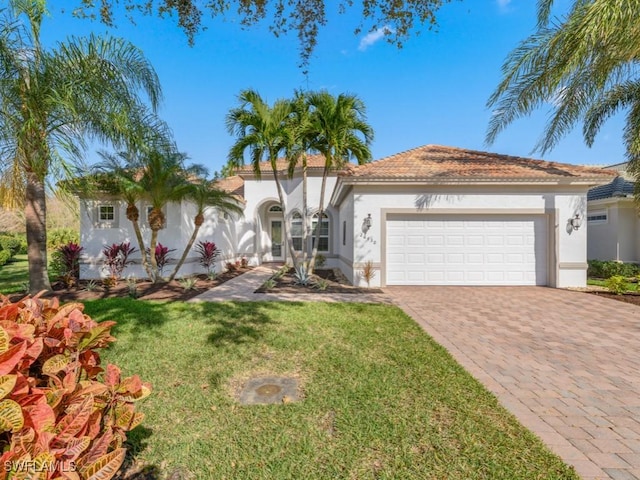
131, 469
241, 322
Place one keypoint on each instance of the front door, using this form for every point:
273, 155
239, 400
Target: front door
276, 239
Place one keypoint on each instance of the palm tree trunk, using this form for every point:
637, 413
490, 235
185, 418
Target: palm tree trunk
155, 275
143, 251
314, 252
285, 229
36, 217
305, 210
187, 249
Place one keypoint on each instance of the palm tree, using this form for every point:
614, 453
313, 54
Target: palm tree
118, 174
584, 68
265, 132
165, 179
51, 101
340, 133
205, 195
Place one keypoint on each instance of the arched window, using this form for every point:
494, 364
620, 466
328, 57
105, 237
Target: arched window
275, 209
296, 230
323, 245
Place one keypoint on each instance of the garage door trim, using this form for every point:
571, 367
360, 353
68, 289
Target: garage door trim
550, 216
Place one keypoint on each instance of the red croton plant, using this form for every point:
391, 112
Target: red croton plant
61, 414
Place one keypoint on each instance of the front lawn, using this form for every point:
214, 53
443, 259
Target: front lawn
381, 399
14, 275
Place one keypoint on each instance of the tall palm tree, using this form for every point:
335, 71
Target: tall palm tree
265, 132
165, 179
583, 67
51, 101
205, 195
340, 133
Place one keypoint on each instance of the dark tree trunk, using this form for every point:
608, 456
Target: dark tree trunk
36, 217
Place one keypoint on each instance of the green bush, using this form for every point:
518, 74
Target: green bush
58, 237
5, 256
616, 284
10, 244
609, 268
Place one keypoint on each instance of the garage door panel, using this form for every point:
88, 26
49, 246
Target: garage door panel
467, 250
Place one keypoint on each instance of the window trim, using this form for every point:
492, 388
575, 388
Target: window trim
344, 233
296, 217
314, 218
99, 222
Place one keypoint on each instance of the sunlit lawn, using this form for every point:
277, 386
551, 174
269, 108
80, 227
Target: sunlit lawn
381, 399
14, 274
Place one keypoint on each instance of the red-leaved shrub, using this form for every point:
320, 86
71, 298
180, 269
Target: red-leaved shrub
61, 414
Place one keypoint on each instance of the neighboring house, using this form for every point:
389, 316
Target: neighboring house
612, 217
429, 216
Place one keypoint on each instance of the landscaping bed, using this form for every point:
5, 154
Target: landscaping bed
633, 298
144, 289
328, 280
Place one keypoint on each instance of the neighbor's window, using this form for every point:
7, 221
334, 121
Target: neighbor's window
323, 245
597, 217
296, 230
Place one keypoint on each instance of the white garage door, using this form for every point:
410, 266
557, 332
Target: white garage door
466, 250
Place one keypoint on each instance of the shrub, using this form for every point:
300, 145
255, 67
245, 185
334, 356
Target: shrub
59, 408
244, 262
11, 244
61, 236
208, 253
616, 284
65, 263
321, 260
269, 284
116, 258
5, 256
188, 283
321, 284
231, 266
368, 272
609, 268
162, 256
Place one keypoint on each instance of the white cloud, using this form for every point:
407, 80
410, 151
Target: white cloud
373, 37
503, 5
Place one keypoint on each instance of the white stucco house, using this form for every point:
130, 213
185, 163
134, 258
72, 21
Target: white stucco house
613, 221
432, 215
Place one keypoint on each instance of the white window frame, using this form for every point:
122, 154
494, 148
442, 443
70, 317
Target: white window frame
595, 217
296, 220
100, 222
314, 219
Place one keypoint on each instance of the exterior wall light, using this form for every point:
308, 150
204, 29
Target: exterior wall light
366, 223
576, 222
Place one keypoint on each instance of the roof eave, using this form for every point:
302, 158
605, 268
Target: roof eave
587, 181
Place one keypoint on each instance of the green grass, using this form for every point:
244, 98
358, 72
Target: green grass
381, 399
630, 286
14, 274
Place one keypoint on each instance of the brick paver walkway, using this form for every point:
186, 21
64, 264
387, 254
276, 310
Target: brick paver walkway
567, 364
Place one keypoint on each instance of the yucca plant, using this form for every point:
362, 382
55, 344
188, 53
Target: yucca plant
302, 276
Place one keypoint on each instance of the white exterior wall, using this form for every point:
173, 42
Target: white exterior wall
259, 194
175, 236
618, 238
346, 221
567, 249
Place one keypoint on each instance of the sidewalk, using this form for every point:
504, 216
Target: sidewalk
240, 289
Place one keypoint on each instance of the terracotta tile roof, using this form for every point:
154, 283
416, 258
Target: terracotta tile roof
313, 161
438, 162
233, 185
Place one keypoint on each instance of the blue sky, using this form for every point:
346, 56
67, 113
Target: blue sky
432, 91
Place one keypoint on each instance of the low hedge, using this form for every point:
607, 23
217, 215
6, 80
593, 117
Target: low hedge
5, 256
609, 268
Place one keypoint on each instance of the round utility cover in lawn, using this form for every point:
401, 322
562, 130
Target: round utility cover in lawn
269, 390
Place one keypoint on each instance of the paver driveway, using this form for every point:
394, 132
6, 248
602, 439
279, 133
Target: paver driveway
567, 364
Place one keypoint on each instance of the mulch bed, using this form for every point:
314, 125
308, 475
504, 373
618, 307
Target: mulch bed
145, 289
337, 284
633, 298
